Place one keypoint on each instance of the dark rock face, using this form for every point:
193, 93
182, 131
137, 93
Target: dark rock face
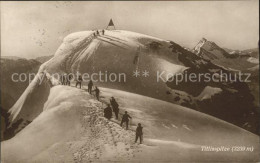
10, 90
235, 104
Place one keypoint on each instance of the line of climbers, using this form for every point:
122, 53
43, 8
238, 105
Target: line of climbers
66, 80
125, 118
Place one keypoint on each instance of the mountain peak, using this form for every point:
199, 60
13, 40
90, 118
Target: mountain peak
210, 50
197, 48
203, 39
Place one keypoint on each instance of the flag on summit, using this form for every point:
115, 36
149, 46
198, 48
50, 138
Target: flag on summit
111, 24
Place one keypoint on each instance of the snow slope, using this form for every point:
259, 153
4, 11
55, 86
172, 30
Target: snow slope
66, 124
113, 52
71, 128
208, 92
253, 60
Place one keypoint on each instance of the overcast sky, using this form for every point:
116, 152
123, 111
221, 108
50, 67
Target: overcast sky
32, 29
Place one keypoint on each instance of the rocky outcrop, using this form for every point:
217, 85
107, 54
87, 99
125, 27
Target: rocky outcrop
233, 104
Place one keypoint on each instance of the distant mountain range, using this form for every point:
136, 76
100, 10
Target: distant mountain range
43, 59
249, 52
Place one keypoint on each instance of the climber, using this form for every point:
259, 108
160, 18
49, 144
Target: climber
125, 119
62, 79
108, 112
79, 81
139, 133
97, 91
65, 77
114, 105
90, 85
69, 78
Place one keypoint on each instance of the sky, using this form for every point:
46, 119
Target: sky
33, 29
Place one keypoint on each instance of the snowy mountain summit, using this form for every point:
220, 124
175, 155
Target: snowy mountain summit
59, 123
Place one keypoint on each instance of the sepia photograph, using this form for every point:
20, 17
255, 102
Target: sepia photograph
130, 81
